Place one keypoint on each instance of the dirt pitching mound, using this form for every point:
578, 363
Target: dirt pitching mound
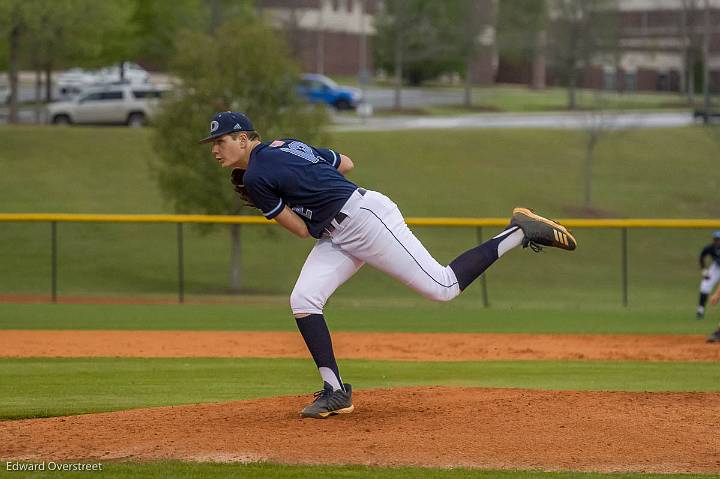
357, 345
439, 426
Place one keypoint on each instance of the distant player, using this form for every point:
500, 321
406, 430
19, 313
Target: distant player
710, 274
715, 337
304, 189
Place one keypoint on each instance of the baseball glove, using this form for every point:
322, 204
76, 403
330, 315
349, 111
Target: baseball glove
236, 178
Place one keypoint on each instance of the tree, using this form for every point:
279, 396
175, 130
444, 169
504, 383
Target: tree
246, 67
599, 124
596, 125
707, 32
521, 35
470, 18
76, 32
44, 35
157, 24
581, 31
687, 22
13, 23
417, 40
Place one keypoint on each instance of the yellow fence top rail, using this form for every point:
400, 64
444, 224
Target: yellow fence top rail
255, 220
102, 218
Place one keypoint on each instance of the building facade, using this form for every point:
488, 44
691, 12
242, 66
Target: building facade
662, 44
326, 36
334, 37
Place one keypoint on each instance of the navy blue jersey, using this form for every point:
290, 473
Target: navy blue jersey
291, 173
711, 250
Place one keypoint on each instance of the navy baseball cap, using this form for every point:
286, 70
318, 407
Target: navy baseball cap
227, 122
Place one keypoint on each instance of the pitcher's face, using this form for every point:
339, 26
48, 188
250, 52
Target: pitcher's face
229, 151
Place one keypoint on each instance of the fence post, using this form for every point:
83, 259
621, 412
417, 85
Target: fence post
53, 261
624, 267
181, 264
483, 278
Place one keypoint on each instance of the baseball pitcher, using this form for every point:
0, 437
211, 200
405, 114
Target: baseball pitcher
305, 190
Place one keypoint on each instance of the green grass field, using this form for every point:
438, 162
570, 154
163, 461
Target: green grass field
513, 99
161, 470
389, 315
59, 387
509, 98
650, 173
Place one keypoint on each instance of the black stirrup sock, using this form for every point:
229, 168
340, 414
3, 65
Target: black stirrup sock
472, 263
315, 332
703, 299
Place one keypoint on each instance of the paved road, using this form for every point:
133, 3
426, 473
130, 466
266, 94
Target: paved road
26, 115
579, 121
517, 120
413, 97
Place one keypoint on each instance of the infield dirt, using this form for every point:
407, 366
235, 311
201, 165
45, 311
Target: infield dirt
436, 426
428, 426
351, 345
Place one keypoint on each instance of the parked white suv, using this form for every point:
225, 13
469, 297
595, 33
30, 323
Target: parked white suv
132, 105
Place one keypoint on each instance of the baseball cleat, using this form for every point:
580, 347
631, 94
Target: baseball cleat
714, 337
700, 313
541, 231
328, 402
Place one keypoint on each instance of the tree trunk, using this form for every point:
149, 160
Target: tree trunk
706, 61
38, 93
684, 74
48, 83
362, 49
572, 89
469, 64
14, 46
398, 71
235, 259
215, 15
686, 47
320, 54
691, 80
589, 150
539, 63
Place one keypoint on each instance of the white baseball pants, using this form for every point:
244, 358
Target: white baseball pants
375, 233
707, 285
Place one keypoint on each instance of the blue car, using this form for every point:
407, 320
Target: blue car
318, 88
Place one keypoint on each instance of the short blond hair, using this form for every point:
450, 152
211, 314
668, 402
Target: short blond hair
252, 135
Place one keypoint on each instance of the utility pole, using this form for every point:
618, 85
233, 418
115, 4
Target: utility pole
16, 27
362, 51
706, 61
364, 109
320, 54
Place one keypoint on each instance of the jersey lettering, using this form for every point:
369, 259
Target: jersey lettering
302, 211
300, 149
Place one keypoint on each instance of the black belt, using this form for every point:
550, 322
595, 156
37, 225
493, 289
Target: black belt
340, 216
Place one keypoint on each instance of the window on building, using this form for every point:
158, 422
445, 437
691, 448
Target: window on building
609, 77
630, 81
